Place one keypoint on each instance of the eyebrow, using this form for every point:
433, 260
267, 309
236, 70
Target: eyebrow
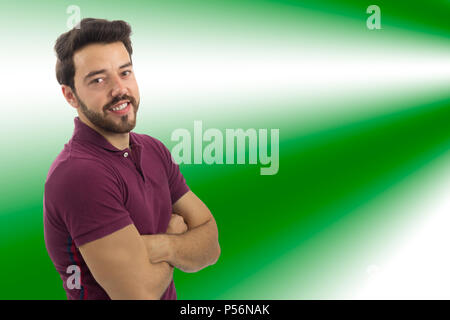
93, 73
126, 65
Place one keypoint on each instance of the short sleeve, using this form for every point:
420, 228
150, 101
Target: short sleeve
89, 200
177, 183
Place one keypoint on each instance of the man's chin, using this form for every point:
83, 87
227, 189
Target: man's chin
116, 126
110, 123
120, 125
122, 128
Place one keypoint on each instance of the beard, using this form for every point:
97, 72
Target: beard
102, 121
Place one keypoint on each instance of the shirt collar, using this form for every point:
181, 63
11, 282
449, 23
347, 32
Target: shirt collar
83, 132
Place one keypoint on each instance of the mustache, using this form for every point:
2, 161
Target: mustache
117, 99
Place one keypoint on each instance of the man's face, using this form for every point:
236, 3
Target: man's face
106, 89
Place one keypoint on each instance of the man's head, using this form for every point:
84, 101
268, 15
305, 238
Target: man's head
95, 70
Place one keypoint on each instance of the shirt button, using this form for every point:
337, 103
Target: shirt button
125, 154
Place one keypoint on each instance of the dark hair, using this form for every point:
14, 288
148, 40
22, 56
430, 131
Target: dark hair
89, 31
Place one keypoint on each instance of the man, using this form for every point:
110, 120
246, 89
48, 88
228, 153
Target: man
118, 214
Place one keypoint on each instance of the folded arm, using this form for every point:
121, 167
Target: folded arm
194, 249
120, 263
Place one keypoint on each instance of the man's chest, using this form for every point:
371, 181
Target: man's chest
146, 194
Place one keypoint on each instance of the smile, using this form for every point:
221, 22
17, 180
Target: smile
121, 109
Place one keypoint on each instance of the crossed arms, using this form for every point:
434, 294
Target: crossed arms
133, 266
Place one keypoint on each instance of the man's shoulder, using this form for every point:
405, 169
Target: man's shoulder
71, 166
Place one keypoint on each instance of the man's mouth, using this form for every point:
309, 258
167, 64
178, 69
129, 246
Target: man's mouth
121, 107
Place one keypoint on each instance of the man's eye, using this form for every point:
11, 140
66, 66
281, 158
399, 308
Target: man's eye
126, 73
97, 80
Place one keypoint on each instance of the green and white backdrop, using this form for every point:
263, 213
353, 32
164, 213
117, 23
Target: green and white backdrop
359, 207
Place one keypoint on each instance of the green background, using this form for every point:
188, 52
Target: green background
359, 207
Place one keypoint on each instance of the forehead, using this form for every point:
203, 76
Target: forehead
100, 56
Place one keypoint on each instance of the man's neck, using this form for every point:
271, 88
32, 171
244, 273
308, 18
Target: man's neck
119, 140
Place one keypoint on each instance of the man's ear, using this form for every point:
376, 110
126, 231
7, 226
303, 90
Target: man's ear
69, 95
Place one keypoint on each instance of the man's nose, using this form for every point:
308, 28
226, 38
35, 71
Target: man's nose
119, 88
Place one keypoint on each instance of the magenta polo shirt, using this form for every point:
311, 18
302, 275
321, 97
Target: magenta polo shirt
94, 189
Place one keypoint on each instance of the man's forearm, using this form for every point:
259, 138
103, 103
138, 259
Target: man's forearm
162, 273
191, 251
195, 249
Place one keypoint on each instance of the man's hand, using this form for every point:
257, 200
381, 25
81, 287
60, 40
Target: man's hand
192, 247
176, 225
